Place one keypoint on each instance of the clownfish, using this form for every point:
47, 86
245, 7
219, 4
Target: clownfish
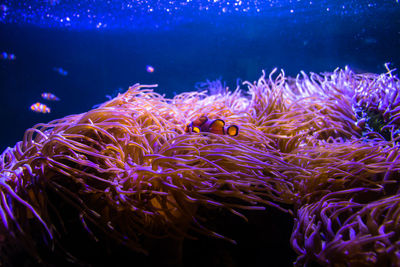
149, 69
217, 126
50, 96
40, 108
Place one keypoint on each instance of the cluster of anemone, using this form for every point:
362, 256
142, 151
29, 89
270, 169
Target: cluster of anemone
321, 147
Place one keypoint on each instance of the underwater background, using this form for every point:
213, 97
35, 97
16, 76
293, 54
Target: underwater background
105, 46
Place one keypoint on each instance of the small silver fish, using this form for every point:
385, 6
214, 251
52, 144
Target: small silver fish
61, 71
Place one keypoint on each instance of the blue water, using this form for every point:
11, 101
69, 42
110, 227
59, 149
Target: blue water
106, 45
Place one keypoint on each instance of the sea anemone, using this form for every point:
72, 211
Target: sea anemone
127, 173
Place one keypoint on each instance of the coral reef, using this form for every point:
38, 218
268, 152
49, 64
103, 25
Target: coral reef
320, 147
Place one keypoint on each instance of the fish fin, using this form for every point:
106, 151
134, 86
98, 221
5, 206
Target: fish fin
196, 129
232, 130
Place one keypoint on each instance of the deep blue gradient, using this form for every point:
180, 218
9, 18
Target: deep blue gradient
165, 14
190, 43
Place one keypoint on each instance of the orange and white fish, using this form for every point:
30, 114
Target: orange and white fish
40, 108
149, 69
217, 126
50, 96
